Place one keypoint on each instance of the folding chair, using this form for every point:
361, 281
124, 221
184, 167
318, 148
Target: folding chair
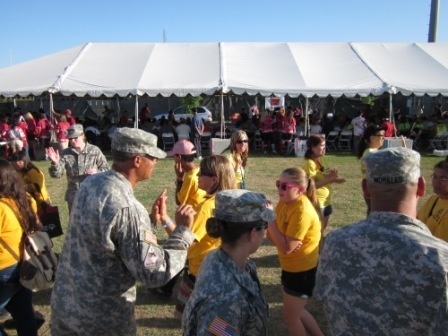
168, 141
258, 143
439, 141
345, 141
205, 140
331, 140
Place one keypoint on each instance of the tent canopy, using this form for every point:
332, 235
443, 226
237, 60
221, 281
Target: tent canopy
308, 69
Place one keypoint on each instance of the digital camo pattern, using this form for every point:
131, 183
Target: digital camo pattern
226, 294
75, 165
386, 275
136, 141
392, 165
75, 131
109, 245
237, 205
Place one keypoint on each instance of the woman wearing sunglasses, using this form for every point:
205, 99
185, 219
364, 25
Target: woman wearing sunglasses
238, 153
296, 232
316, 167
228, 294
434, 212
371, 141
215, 174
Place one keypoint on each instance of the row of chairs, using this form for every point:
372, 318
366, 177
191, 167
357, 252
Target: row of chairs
440, 141
341, 141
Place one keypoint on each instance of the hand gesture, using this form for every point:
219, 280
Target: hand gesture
178, 170
185, 215
52, 154
91, 171
158, 211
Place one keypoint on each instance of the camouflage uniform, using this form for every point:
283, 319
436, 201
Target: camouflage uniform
386, 275
109, 244
227, 300
75, 166
222, 291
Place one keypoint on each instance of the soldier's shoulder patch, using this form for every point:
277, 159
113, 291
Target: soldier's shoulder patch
219, 327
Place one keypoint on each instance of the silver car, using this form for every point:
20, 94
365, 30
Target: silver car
179, 113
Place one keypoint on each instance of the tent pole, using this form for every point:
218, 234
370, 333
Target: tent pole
307, 117
222, 129
136, 112
391, 111
51, 108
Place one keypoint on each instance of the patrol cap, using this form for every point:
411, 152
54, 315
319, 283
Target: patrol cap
182, 147
242, 206
136, 141
75, 131
398, 165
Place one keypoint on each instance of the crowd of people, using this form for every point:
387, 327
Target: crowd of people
386, 272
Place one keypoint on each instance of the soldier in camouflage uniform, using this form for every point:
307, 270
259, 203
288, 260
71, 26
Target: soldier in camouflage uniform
78, 161
227, 298
110, 244
386, 275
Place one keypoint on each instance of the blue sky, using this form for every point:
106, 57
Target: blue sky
31, 29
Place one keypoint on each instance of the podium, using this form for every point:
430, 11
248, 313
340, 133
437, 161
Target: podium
217, 146
396, 142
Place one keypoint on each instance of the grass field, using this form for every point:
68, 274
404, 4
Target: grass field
154, 316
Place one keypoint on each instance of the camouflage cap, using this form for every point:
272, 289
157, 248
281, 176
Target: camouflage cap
136, 141
242, 206
393, 166
75, 131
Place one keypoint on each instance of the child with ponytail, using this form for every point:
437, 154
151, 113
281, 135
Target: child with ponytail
296, 232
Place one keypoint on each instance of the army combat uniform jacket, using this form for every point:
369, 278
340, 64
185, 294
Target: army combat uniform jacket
109, 245
386, 275
225, 300
75, 165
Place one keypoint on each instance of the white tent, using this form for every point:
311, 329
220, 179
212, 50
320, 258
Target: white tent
308, 69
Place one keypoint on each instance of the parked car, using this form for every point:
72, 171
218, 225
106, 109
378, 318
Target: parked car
179, 113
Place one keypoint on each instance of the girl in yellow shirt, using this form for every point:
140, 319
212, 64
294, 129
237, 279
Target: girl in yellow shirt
296, 232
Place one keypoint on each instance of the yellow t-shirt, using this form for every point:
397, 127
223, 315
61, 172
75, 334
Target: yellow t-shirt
434, 213
203, 242
312, 170
37, 177
240, 173
299, 220
190, 192
11, 234
363, 165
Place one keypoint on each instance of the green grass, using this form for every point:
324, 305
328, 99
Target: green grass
155, 316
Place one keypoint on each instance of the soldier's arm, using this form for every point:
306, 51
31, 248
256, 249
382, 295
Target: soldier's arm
101, 162
57, 169
221, 312
150, 263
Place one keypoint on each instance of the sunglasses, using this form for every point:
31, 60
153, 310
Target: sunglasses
242, 141
285, 186
203, 173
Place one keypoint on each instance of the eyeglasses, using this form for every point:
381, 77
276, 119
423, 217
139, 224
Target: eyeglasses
262, 227
203, 173
439, 178
242, 141
285, 186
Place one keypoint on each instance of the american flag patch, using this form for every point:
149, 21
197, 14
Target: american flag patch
149, 238
219, 327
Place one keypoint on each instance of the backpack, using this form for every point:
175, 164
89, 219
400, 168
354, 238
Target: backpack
38, 267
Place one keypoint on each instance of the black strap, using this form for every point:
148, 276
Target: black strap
433, 206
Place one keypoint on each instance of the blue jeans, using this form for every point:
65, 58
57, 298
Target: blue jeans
17, 300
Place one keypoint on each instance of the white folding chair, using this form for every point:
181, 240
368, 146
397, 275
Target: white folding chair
168, 141
345, 141
331, 140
